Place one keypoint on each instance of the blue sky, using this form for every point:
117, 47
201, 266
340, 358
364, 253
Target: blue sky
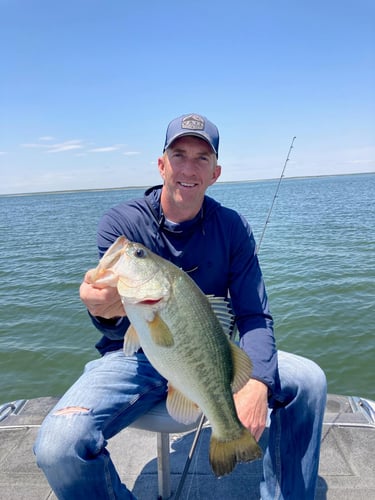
88, 87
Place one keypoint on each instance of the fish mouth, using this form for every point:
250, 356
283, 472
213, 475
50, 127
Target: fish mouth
141, 302
149, 302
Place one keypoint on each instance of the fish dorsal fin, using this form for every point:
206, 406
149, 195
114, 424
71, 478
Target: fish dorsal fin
180, 407
223, 312
242, 367
131, 341
160, 332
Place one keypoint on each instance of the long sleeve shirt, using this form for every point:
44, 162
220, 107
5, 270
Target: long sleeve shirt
217, 249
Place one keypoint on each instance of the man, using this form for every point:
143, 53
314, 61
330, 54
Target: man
216, 247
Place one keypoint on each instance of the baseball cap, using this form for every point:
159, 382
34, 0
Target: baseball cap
195, 125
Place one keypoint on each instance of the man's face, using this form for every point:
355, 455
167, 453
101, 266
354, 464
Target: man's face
188, 168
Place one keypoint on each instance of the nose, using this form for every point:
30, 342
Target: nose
189, 166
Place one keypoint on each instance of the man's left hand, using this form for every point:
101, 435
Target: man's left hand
252, 407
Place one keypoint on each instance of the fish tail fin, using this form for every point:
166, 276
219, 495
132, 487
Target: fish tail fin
224, 455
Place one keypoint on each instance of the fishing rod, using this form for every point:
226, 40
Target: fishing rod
275, 195
203, 418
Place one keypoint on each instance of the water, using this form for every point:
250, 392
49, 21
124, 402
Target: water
317, 257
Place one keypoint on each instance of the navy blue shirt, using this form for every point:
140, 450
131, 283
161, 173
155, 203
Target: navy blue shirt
217, 249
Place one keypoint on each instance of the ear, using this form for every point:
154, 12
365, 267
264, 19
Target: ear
161, 166
216, 174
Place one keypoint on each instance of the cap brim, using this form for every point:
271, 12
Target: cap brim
190, 133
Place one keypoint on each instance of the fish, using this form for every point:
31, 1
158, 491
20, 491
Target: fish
183, 334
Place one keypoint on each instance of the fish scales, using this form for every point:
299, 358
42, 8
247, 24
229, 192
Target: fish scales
174, 323
199, 343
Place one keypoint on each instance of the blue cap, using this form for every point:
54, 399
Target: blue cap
195, 125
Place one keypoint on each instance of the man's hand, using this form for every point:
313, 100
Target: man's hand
252, 407
104, 302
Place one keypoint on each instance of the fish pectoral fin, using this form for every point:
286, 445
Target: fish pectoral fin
131, 341
242, 367
160, 332
181, 408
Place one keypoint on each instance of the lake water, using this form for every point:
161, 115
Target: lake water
317, 257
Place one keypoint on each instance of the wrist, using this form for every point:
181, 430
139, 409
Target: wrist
115, 320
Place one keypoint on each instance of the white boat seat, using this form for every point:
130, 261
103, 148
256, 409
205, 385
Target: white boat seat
158, 420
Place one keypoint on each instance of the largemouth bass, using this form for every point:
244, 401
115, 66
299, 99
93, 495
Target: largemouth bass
179, 332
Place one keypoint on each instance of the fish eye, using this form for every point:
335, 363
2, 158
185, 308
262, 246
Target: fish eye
140, 253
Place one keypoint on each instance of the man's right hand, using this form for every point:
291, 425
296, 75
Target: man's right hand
104, 302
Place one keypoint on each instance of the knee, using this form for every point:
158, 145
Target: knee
302, 378
50, 446
62, 439
313, 387
54, 442
316, 378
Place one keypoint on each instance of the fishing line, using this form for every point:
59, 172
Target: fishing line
195, 480
189, 458
202, 420
275, 196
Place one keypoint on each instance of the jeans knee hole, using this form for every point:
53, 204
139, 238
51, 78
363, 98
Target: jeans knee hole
71, 410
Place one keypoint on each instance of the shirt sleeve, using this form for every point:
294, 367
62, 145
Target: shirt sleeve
114, 330
251, 307
109, 229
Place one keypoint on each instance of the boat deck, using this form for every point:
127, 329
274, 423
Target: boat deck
347, 468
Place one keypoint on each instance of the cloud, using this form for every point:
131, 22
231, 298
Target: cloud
359, 162
46, 138
65, 146
57, 147
105, 149
44, 144
34, 145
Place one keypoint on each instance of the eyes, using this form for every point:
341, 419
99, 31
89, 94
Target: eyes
180, 156
140, 253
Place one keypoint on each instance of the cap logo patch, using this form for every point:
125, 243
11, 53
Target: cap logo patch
193, 122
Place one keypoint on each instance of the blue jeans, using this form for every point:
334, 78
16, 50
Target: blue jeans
114, 390
291, 460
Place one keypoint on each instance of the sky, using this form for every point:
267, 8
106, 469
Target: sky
88, 87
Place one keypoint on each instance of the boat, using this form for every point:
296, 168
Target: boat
347, 463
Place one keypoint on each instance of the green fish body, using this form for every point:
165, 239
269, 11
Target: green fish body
181, 335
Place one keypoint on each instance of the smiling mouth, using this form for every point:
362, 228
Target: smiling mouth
187, 184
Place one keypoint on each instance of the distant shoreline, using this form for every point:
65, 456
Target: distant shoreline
128, 188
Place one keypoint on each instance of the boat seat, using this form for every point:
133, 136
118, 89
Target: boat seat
158, 420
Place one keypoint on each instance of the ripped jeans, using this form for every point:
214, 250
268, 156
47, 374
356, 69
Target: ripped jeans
116, 389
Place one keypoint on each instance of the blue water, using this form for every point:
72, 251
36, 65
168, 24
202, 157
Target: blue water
317, 257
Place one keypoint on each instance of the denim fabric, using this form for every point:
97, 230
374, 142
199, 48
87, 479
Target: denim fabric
112, 392
115, 389
291, 461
